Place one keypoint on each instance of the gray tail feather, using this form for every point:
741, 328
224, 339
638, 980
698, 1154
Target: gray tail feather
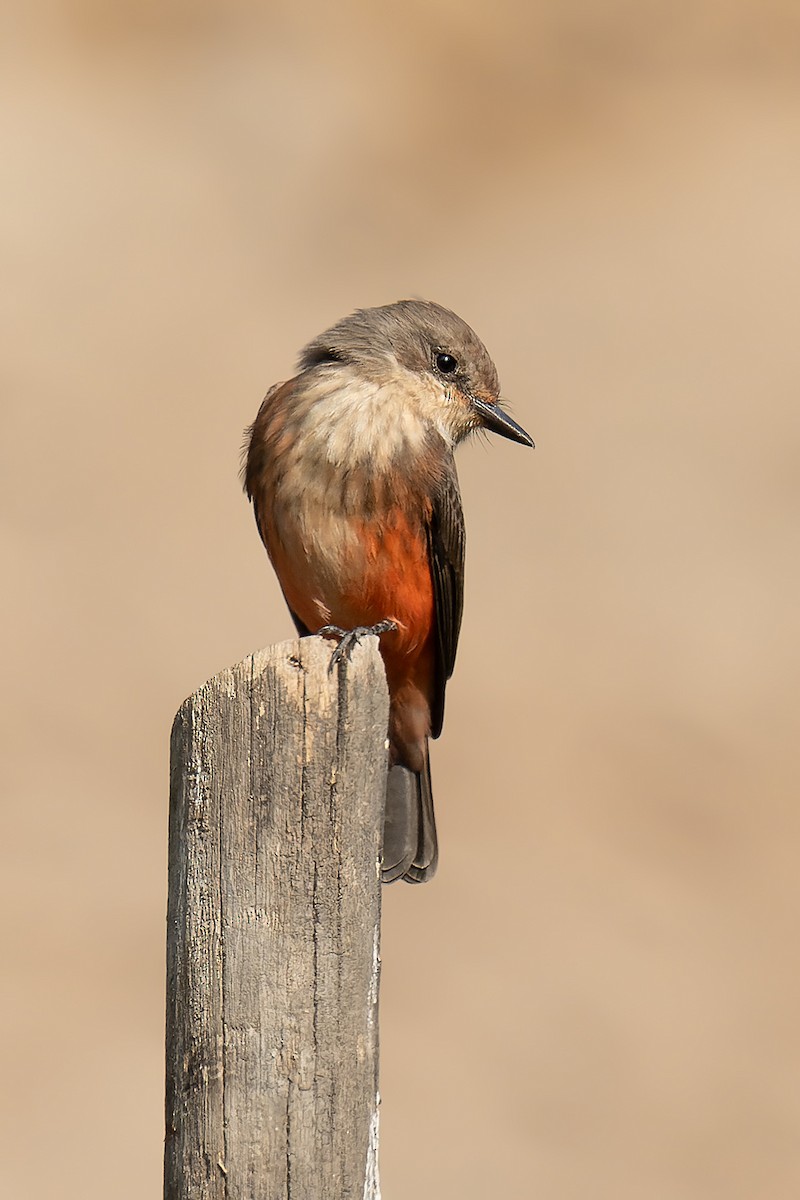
410, 850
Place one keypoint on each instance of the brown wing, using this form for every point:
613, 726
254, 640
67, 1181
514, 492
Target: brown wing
256, 436
268, 424
446, 549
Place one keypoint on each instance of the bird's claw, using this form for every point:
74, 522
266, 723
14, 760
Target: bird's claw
349, 638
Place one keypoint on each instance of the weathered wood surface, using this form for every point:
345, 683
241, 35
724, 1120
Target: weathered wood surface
277, 789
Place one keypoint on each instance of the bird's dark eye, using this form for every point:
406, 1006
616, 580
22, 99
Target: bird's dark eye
446, 364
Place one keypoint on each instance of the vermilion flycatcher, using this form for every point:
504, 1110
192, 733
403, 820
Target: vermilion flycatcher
350, 469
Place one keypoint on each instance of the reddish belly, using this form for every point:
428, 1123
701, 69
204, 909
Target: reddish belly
385, 575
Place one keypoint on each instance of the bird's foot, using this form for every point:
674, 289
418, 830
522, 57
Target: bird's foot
349, 638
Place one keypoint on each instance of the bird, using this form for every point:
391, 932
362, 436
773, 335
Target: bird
350, 469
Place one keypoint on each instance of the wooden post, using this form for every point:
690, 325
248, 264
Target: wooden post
278, 776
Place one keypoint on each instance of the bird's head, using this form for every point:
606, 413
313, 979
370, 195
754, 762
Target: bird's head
424, 354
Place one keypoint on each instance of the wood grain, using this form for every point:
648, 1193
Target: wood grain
278, 772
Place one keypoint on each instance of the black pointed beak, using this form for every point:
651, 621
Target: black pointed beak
494, 419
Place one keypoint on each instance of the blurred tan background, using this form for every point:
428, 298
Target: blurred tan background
598, 996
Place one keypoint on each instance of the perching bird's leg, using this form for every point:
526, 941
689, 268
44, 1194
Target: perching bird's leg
349, 638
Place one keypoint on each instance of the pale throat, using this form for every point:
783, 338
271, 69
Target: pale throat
354, 421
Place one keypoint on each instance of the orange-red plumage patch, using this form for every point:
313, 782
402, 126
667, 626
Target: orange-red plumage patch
386, 575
